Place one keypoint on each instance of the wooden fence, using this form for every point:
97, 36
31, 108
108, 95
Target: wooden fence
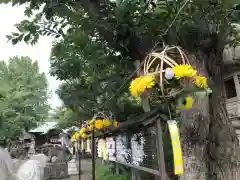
135, 144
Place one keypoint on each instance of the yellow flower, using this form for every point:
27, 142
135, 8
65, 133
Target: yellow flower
140, 84
106, 123
91, 122
84, 135
91, 127
115, 124
201, 82
83, 130
98, 124
188, 103
75, 137
185, 70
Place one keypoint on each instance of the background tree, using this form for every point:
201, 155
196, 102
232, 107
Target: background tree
66, 118
126, 31
89, 83
23, 91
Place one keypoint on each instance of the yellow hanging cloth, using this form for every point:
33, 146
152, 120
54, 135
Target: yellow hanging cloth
88, 146
82, 145
104, 150
177, 151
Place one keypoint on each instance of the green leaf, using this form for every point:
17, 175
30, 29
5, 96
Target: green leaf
9, 37
14, 41
27, 38
159, 11
15, 34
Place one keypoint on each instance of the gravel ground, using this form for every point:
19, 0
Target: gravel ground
17, 163
83, 177
86, 169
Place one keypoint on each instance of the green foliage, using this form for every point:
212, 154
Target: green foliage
97, 42
81, 62
129, 27
23, 102
66, 118
106, 172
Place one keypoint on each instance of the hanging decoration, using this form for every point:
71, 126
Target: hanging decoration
84, 133
88, 146
102, 123
170, 75
176, 146
171, 79
75, 137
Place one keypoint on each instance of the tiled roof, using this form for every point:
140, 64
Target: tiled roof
44, 128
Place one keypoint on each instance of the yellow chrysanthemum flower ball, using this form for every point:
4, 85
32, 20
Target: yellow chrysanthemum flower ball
83, 130
75, 137
84, 135
91, 122
115, 124
188, 103
140, 84
185, 70
201, 82
106, 123
98, 124
91, 127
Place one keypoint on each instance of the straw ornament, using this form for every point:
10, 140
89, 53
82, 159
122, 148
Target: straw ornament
171, 73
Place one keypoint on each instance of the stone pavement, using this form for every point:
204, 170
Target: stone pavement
72, 168
86, 170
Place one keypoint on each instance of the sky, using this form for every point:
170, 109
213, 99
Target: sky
40, 52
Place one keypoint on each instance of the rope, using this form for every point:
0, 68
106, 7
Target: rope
165, 32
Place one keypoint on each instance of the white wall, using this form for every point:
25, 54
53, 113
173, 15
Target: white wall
232, 54
233, 104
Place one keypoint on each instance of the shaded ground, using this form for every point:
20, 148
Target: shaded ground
86, 170
86, 167
83, 177
17, 163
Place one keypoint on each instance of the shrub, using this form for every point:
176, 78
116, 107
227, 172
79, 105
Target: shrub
107, 172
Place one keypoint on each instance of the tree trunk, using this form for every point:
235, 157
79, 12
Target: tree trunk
208, 137
222, 139
194, 129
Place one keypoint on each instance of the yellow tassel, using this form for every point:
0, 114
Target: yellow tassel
82, 145
88, 146
177, 151
104, 151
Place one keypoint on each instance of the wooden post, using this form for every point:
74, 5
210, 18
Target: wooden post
133, 171
145, 106
93, 155
117, 169
144, 98
237, 86
134, 177
115, 154
160, 152
79, 159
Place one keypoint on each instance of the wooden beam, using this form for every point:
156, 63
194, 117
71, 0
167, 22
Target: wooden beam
236, 124
140, 168
160, 152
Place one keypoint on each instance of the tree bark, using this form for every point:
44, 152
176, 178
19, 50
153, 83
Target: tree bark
208, 137
194, 129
